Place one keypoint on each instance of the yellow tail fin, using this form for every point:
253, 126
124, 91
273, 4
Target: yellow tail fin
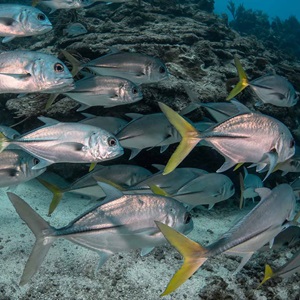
158, 190
243, 83
4, 142
190, 137
268, 274
193, 253
57, 194
115, 185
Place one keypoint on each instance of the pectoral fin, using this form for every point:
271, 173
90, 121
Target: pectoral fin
273, 159
7, 39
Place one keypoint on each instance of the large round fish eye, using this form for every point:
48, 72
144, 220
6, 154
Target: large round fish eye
187, 218
292, 143
134, 90
58, 67
41, 17
35, 161
162, 70
112, 141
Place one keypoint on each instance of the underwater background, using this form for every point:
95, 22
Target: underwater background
197, 40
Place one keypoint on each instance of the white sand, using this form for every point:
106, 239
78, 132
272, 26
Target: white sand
68, 271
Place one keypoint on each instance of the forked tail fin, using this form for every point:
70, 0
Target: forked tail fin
42, 231
243, 82
190, 137
268, 274
193, 253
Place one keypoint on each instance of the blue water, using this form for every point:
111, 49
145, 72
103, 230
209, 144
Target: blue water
281, 8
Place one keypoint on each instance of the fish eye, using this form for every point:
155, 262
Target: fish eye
134, 90
162, 70
112, 141
58, 68
41, 17
292, 143
35, 161
187, 218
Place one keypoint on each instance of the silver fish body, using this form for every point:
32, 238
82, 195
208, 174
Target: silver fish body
9, 132
251, 183
20, 20
290, 165
169, 183
105, 91
29, 72
75, 29
207, 189
16, 167
147, 131
65, 4
122, 223
136, 67
110, 124
251, 137
67, 142
274, 89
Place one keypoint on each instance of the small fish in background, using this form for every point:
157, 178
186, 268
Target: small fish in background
16, 166
65, 142
147, 131
169, 183
31, 71
106, 91
260, 226
291, 165
121, 176
75, 29
289, 237
136, 67
288, 269
249, 184
9, 132
121, 223
20, 21
271, 88
246, 137
110, 124
207, 189
63, 4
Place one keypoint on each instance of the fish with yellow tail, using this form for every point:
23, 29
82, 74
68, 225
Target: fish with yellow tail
246, 137
269, 88
288, 269
249, 234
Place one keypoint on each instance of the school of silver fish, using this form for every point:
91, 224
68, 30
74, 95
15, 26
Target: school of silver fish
140, 209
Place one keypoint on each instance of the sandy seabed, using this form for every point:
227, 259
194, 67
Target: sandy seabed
69, 271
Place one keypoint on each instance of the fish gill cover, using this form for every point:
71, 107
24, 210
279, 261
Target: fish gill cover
194, 51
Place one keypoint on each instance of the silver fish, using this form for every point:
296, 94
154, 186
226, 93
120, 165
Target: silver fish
20, 20
147, 131
104, 91
66, 142
268, 218
247, 137
122, 223
136, 67
289, 237
270, 88
75, 29
9, 132
169, 183
29, 72
250, 184
122, 176
207, 189
288, 269
290, 165
63, 4
16, 167
110, 124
